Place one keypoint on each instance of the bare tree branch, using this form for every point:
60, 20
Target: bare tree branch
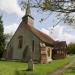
60, 6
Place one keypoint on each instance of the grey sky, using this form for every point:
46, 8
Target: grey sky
12, 15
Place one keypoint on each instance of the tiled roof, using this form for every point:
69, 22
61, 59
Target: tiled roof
60, 44
42, 36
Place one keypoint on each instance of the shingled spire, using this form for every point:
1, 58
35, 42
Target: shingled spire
28, 19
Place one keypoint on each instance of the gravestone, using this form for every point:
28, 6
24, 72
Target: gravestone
30, 65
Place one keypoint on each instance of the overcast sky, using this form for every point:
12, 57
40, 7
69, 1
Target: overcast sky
12, 16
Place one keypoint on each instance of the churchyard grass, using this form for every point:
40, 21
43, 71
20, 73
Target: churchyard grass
70, 71
19, 68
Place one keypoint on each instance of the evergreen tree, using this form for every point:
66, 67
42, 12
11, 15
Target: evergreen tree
2, 40
71, 48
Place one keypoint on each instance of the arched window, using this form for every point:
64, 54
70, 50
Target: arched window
33, 47
62, 52
20, 41
58, 52
48, 52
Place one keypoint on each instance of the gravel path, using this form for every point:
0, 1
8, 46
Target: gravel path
61, 70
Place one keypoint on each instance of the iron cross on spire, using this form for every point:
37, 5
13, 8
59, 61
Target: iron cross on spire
28, 12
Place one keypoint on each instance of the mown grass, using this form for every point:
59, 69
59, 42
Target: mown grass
19, 68
70, 71
44, 69
9, 67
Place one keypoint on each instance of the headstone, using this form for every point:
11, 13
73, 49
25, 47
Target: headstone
30, 65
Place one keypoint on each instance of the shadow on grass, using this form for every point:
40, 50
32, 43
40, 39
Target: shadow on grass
23, 72
17, 73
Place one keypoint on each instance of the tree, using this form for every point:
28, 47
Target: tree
71, 48
65, 7
2, 39
52, 5
7, 38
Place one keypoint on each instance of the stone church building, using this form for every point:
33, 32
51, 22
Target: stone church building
29, 43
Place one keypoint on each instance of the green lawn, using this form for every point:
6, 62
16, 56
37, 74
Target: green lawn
18, 68
70, 71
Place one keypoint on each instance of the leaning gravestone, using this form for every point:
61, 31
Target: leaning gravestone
30, 65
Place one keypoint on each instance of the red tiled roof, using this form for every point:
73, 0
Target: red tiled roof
60, 44
42, 36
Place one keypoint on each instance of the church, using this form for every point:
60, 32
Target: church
29, 43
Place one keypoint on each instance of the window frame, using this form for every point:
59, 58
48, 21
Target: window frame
20, 42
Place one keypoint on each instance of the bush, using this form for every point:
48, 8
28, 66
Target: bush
71, 48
